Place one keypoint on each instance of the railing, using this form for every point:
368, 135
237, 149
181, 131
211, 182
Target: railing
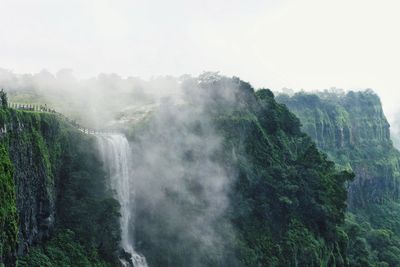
45, 108
97, 131
31, 107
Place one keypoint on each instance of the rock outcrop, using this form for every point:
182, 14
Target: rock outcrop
352, 129
31, 143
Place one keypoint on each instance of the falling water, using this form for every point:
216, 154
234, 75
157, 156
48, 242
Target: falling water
115, 152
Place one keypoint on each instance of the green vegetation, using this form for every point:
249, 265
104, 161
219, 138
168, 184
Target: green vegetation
352, 129
288, 198
3, 99
8, 210
287, 202
61, 193
62, 250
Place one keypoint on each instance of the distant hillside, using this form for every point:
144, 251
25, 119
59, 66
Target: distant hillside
352, 129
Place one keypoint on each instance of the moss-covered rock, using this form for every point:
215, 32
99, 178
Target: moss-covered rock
352, 129
8, 210
52, 179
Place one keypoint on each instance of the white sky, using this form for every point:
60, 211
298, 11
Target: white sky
310, 44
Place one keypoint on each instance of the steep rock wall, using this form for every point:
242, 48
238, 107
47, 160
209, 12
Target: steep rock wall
352, 129
29, 139
53, 181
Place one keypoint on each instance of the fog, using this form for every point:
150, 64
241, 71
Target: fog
137, 67
111, 100
98, 102
180, 182
181, 185
300, 44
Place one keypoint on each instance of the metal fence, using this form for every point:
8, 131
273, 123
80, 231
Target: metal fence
45, 108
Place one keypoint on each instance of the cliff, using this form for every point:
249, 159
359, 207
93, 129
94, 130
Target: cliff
352, 129
253, 189
43, 157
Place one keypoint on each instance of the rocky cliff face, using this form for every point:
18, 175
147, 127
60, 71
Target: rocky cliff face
52, 187
29, 139
8, 211
33, 154
352, 129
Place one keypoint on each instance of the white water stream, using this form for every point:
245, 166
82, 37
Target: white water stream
115, 152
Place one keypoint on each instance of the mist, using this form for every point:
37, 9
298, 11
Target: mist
208, 169
97, 102
180, 183
180, 178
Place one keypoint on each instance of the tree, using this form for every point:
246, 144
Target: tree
3, 97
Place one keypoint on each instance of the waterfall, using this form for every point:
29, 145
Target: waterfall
115, 152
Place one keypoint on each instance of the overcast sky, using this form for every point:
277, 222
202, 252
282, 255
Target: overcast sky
310, 44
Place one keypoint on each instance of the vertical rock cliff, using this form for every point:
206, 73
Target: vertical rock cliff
23, 138
352, 129
45, 164
8, 211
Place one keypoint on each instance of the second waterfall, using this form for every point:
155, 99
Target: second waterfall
115, 152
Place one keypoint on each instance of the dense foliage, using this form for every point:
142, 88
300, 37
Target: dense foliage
57, 167
8, 210
353, 130
63, 249
286, 200
225, 177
